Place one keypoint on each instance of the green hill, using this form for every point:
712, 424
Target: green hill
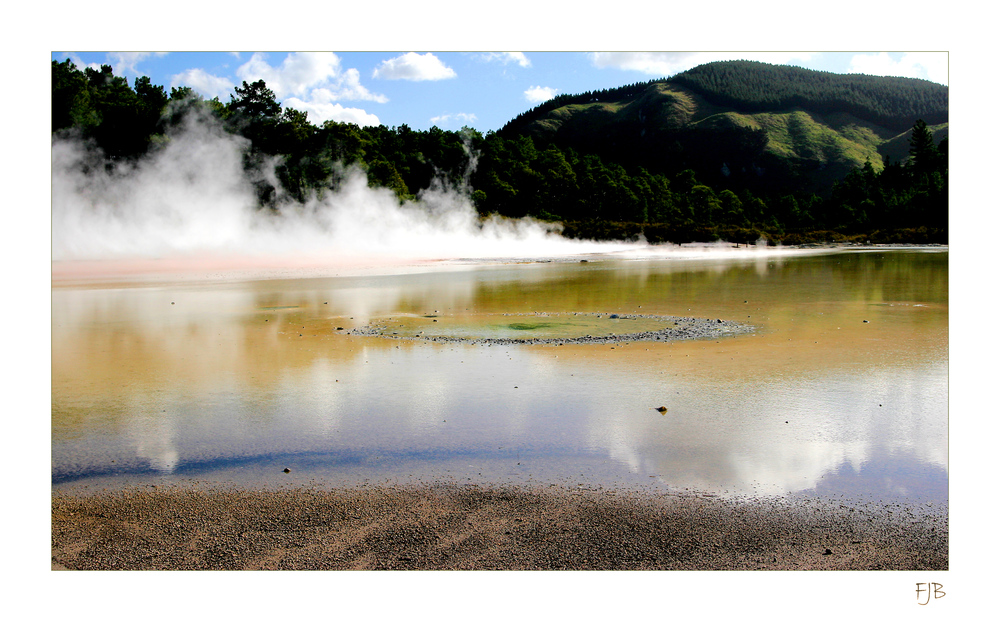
744, 124
736, 151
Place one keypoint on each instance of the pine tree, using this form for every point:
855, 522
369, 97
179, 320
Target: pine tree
923, 153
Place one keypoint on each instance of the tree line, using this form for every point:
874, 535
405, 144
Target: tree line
593, 195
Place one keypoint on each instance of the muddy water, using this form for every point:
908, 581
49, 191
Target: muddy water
840, 391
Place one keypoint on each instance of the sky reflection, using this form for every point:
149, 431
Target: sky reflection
238, 380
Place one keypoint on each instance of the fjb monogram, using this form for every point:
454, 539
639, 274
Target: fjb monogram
933, 590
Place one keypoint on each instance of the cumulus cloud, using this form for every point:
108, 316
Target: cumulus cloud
670, 63
203, 82
76, 60
462, 117
125, 62
506, 58
297, 74
347, 86
926, 65
314, 82
539, 94
320, 111
414, 67
121, 62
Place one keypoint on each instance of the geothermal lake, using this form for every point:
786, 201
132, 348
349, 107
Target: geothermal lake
840, 391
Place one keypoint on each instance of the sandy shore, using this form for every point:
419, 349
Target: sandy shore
193, 527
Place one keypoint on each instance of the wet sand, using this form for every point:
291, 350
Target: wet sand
475, 527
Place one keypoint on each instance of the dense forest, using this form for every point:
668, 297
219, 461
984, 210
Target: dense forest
593, 188
755, 86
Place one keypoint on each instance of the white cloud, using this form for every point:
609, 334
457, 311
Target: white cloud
297, 74
413, 66
75, 59
927, 65
462, 117
347, 86
507, 58
314, 82
669, 63
539, 94
320, 112
125, 62
203, 82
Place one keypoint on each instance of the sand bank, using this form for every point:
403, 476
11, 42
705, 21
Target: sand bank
483, 528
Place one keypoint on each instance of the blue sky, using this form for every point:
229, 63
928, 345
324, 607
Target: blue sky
454, 89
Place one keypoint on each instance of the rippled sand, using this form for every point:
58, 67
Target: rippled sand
473, 527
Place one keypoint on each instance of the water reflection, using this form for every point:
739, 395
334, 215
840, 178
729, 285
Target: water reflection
843, 389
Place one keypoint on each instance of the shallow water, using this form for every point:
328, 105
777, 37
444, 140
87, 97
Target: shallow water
841, 391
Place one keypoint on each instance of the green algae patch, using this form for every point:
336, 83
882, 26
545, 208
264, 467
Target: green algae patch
521, 326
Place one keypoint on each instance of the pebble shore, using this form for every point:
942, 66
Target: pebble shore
481, 527
675, 329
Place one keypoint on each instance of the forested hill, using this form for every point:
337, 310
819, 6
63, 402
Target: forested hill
750, 86
750, 124
736, 151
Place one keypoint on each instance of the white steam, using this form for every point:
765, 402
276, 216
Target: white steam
190, 207
191, 197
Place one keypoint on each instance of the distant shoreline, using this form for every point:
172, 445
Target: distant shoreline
208, 267
483, 527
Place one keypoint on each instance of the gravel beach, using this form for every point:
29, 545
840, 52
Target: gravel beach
479, 527
673, 329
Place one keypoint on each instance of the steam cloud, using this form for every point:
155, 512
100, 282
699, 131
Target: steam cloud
192, 197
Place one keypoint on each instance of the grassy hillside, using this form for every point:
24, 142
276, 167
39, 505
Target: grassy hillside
897, 148
891, 102
744, 123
